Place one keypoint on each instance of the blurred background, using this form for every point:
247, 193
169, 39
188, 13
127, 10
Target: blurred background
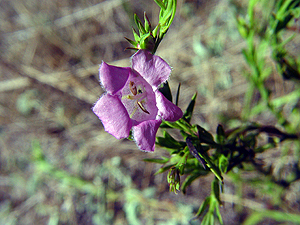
58, 165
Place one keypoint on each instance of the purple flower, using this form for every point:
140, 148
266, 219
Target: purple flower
133, 101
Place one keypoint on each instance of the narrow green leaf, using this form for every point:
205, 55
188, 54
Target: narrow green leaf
166, 91
219, 215
159, 161
172, 8
242, 27
185, 126
169, 5
160, 4
189, 111
205, 220
208, 161
216, 190
283, 11
147, 23
156, 31
163, 169
135, 49
223, 163
135, 35
251, 5
220, 134
291, 97
177, 94
167, 124
181, 164
205, 136
211, 219
188, 180
203, 207
165, 20
256, 217
166, 17
139, 24
144, 40
131, 42
211, 165
169, 142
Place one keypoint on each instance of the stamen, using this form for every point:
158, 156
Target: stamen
132, 87
139, 95
142, 107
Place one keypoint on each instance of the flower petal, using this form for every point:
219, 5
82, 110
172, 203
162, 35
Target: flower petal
113, 78
144, 134
151, 67
167, 110
113, 115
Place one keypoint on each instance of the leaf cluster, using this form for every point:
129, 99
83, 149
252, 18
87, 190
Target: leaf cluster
147, 38
200, 153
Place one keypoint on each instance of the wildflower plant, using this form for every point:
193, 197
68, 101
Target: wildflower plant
138, 102
133, 99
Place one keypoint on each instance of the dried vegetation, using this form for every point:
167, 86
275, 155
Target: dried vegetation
57, 163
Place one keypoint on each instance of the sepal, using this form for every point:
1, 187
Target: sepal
189, 110
166, 91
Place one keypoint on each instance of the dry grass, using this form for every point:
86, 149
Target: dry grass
50, 54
